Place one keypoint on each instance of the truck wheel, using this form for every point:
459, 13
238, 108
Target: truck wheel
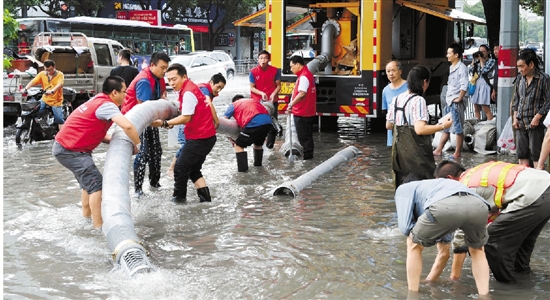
9, 120
22, 135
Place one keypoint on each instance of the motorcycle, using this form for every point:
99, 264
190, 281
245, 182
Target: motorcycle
39, 127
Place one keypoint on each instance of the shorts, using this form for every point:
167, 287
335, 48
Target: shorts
459, 246
57, 112
442, 218
254, 135
82, 165
457, 115
529, 142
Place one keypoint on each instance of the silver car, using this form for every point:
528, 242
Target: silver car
224, 60
200, 67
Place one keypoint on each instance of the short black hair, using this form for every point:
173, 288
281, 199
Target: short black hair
416, 77
457, 49
125, 54
296, 59
159, 55
529, 56
49, 63
112, 83
179, 67
264, 52
237, 97
448, 168
217, 78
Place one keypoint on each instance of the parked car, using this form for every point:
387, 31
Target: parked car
200, 66
225, 60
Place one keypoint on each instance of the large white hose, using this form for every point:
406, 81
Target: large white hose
118, 226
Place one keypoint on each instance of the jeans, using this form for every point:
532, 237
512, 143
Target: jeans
57, 112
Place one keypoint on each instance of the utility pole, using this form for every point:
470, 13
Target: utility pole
507, 59
547, 37
23, 8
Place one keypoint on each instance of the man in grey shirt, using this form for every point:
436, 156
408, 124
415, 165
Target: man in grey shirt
457, 85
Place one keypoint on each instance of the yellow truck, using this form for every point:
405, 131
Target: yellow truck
353, 42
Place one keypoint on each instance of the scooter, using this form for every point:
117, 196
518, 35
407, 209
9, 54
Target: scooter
35, 127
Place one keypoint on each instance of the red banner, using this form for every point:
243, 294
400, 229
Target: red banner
150, 16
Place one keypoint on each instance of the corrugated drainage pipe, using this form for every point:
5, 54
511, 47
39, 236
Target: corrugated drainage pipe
118, 226
292, 188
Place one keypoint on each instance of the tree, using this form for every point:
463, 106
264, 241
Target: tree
476, 10
10, 33
492, 16
219, 13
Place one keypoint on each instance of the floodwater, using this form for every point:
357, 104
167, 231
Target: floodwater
337, 240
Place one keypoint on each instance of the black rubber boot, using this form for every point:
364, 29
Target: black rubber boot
179, 196
270, 140
242, 161
258, 156
204, 194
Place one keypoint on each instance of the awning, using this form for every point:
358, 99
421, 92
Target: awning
303, 25
443, 12
257, 19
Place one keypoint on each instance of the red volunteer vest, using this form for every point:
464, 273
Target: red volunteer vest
264, 80
83, 131
500, 175
130, 100
246, 109
306, 107
201, 125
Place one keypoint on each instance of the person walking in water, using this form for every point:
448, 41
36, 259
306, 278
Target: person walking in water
408, 117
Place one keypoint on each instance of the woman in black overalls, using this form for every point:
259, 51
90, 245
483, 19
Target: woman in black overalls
412, 140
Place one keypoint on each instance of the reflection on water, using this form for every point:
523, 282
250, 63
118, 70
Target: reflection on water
338, 239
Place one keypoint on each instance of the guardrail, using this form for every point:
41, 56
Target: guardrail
243, 66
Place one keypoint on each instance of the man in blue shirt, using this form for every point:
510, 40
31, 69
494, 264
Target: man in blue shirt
428, 212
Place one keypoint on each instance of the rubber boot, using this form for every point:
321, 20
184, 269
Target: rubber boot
258, 156
242, 161
270, 140
204, 194
179, 196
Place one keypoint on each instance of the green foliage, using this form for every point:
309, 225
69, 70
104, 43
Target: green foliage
536, 6
10, 33
478, 11
531, 31
10, 27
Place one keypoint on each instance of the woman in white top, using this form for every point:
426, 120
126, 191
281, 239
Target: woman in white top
408, 117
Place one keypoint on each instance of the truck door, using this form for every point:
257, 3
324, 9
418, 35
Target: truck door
104, 62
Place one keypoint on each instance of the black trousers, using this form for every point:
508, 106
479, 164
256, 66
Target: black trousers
150, 154
512, 238
304, 130
189, 163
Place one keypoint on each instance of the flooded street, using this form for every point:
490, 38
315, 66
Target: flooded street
337, 240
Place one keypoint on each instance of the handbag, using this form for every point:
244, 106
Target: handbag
472, 84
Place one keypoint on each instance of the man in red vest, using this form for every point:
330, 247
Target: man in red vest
148, 85
265, 84
520, 197
303, 104
200, 134
84, 130
255, 123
